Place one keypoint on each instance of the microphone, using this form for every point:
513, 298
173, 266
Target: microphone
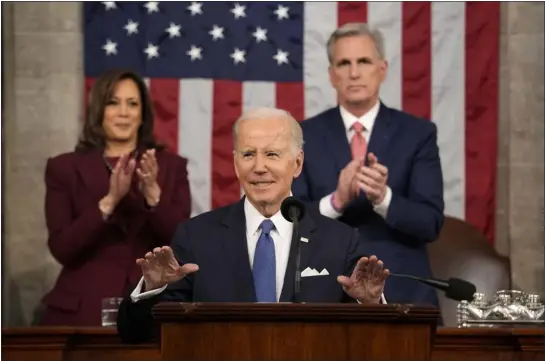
455, 288
293, 211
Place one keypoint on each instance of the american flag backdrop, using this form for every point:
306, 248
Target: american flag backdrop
205, 62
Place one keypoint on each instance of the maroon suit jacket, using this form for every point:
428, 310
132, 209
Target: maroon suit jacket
99, 257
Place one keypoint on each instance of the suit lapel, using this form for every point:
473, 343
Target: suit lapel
306, 227
94, 173
382, 134
335, 135
235, 250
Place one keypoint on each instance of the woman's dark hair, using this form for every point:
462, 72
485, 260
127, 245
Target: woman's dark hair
93, 135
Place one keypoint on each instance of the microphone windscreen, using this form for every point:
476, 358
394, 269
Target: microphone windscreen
460, 290
288, 204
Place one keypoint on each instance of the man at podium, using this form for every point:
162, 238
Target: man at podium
244, 252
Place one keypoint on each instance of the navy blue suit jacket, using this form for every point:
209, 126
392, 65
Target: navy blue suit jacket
408, 147
216, 242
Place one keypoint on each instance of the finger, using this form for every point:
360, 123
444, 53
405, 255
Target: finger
377, 269
151, 154
168, 252
350, 171
167, 249
361, 267
140, 175
372, 173
384, 275
382, 169
150, 257
371, 193
372, 158
352, 166
141, 262
188, 268
356, 162
118, 166
129, 169
370, 182
123, 161
344, 281
169, 256
145, 166
154, 165
161, 256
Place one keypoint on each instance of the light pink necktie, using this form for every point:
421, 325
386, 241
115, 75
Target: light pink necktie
358, 145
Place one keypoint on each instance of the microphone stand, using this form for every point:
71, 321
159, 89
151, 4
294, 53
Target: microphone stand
296, 241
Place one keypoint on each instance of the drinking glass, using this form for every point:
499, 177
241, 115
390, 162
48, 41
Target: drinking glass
110, 306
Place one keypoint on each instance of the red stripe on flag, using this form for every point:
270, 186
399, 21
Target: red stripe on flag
481, 128
351, 11
291, 97
165, 95
416, 68
227, 107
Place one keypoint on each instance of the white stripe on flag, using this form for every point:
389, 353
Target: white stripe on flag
448, 99
257, 94
195, 139
387, 17
320, 22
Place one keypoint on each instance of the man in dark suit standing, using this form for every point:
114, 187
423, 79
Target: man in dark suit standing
243, 252
374, 167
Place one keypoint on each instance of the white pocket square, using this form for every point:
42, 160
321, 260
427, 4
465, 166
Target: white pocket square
311, 272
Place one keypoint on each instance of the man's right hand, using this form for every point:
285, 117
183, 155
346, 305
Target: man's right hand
160, 268
345, 191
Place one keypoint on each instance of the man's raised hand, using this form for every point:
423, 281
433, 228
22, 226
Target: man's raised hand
160, 268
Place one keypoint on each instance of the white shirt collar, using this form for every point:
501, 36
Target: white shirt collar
367, 120
254, 219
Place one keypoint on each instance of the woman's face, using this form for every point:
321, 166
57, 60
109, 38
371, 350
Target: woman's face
123, 113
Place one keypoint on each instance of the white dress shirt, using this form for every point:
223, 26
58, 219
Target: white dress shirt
368, 121
281, 235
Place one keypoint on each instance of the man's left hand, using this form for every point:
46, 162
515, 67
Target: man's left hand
366, 284
372, 180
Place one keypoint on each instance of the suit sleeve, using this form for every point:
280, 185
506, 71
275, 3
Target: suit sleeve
301, 190
353, 254
69, 235
420, 214
135, 323
175, 209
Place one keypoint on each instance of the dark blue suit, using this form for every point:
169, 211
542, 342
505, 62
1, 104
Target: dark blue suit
408, 147
216, 242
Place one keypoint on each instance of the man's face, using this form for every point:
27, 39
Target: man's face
356, 70
264, 161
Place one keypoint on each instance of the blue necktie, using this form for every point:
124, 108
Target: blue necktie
265, 265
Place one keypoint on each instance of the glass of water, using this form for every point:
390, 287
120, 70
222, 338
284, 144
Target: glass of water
110, 306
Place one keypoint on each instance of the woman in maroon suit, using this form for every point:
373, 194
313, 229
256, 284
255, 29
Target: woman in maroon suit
116, 197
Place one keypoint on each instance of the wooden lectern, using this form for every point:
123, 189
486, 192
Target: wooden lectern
289, 331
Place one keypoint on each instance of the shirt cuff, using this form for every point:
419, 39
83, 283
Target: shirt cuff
137, 296
382, 300
327, 209
382, 208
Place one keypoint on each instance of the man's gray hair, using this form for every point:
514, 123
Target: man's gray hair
356, 29
268, 113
